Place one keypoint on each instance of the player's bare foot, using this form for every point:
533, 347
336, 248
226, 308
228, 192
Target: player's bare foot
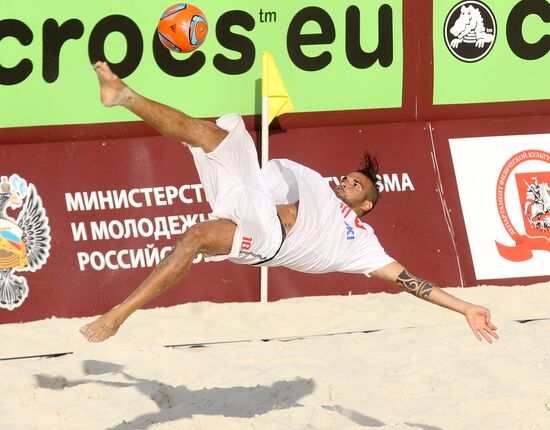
99, 330
113, 91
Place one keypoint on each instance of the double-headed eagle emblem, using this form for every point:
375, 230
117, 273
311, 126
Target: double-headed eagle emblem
24, 243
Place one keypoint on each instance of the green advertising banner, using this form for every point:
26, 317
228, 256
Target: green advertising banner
491, 51
332, 56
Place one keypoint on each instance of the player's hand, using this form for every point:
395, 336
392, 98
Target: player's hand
479, 319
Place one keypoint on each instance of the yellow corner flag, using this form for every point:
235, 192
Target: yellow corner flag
274, 88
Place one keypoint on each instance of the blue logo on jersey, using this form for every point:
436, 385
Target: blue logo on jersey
350, 232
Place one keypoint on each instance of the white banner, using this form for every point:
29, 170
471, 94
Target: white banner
503, 184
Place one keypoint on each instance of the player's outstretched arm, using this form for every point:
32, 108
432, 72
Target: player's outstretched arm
478, 317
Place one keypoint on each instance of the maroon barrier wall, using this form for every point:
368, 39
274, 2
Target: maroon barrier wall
411, 219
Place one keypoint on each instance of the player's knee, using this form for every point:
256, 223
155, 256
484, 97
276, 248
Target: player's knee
210, 237
192, 240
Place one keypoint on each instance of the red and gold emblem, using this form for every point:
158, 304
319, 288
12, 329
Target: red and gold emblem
534, 199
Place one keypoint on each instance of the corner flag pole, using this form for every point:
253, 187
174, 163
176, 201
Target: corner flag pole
265, 158
275, 101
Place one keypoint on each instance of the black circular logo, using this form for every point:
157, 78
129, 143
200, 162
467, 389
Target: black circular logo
470, 31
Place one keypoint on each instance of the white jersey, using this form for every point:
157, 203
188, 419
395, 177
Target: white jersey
327, 236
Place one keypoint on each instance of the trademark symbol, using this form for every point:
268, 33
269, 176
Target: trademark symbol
270, 16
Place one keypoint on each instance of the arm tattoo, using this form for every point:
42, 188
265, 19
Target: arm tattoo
411, 284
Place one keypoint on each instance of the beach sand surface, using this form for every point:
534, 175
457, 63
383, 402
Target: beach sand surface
387, 361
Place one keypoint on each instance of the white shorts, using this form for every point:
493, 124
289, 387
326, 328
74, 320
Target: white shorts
230, 176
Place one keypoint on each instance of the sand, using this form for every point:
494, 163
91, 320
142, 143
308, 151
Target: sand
387, 361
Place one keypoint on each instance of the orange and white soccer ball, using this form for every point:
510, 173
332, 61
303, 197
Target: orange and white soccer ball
182, 28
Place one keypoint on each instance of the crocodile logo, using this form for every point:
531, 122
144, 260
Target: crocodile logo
470, 31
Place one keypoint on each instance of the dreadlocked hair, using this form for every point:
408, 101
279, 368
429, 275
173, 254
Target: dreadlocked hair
369, 168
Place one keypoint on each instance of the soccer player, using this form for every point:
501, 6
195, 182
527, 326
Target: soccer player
282, 215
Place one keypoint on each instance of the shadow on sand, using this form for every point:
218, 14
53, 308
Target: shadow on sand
179, 402
176, 403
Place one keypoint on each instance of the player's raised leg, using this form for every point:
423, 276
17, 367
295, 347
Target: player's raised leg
210, 237
170, 122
